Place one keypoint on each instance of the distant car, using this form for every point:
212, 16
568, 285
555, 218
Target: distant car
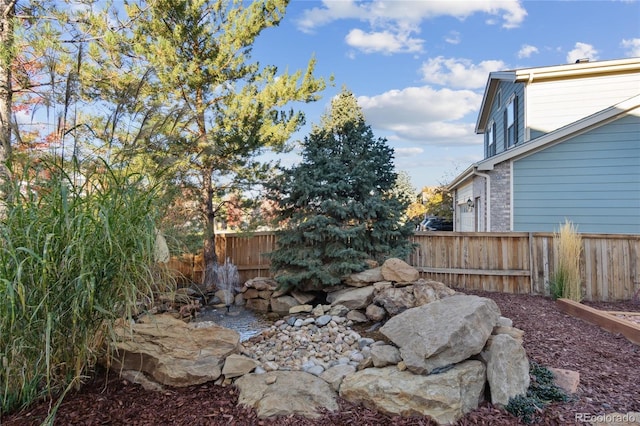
438, 224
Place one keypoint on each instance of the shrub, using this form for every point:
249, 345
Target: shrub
542, 391
72, 258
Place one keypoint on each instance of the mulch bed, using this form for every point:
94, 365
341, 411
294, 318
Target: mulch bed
609, 367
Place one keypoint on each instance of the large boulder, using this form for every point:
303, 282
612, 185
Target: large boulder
282, 393
399, 271
173, 352
445, 397
507, 368
443, 332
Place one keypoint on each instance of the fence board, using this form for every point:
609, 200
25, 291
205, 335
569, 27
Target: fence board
511, 262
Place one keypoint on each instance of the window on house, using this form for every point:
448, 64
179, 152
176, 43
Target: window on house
491, 140
511, 123
499, 99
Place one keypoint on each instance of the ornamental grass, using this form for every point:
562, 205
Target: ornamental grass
73, 257
567, 281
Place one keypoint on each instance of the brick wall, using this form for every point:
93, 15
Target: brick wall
501, 197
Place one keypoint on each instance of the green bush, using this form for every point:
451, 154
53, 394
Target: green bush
542, 391
73, 257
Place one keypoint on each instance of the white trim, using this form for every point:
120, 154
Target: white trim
511, 196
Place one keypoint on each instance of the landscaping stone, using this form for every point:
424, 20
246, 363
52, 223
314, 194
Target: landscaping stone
567, 380
383, 355
445, 397
238, 365
173, 352
507, 368
375, 313
364, 278
395, 299
441, 333
281, 393
399, 271
282, 304
352, 298
336, 374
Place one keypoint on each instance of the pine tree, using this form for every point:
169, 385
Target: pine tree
337, 206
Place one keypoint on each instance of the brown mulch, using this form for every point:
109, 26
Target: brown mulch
609, 367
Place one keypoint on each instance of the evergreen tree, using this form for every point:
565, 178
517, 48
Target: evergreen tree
338, 206
205, 110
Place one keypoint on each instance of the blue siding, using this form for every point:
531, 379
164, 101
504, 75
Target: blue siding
497, 113
592, 180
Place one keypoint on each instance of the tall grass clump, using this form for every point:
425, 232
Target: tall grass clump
566, 281
73, 257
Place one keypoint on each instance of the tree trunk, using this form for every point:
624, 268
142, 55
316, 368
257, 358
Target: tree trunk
7, 9
210, 257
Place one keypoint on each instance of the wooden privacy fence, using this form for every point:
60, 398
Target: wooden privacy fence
510, 262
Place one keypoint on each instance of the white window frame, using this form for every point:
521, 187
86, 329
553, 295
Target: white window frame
491, 139
511, 122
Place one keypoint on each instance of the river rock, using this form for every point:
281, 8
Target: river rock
282, 393
375, 313
445, 397
441, 333
173, 352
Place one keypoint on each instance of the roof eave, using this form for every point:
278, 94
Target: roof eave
489, 94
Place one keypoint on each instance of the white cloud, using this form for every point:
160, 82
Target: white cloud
392, 22
424, 114
581, 51
632, 46
385, 42
458, 72
511, 11
526, 51
408, 152
453, 37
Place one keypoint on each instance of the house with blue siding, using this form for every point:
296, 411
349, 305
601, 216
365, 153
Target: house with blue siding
560, 143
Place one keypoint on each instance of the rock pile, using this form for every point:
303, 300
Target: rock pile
440, 348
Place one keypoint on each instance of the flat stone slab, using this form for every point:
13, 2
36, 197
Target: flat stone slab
281, 393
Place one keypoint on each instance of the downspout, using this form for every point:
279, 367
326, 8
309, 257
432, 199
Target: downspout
487, 180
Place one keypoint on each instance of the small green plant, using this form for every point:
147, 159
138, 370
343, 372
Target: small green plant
542, 391
566, 281
557, 284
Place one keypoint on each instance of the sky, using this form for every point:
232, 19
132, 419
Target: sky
418, 68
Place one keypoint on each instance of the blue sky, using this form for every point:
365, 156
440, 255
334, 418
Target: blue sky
419, 68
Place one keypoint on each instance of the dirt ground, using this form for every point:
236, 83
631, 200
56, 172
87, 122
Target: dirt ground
609, 367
